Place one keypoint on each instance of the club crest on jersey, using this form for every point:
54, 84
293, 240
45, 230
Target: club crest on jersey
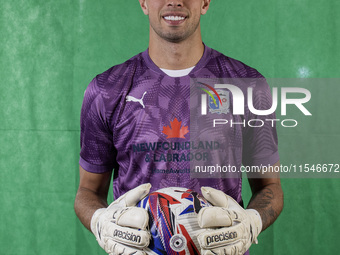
215, 105
218, 99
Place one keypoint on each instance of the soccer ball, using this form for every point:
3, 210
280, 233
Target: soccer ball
173, 220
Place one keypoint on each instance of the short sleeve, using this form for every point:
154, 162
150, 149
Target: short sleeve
97, 150
260, 142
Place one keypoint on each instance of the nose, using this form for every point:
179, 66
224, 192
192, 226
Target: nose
174, 3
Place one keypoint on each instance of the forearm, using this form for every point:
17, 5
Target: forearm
268, 202
86, 203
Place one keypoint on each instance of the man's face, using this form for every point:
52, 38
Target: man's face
175, 20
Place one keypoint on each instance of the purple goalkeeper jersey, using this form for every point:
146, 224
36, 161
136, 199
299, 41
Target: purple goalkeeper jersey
135, 119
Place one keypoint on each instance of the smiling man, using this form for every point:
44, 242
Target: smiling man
135, 119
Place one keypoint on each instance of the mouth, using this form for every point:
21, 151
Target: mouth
174, 18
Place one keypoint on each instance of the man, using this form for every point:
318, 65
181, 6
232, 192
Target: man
128, 119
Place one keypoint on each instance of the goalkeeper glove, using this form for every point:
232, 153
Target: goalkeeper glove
230, 228
121, 227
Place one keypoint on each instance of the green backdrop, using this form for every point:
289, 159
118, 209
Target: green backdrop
50, 51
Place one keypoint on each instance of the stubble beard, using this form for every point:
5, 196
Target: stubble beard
176, 36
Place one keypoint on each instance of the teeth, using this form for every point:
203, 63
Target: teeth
174, 18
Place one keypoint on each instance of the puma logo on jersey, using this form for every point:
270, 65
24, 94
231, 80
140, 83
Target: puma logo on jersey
133, 99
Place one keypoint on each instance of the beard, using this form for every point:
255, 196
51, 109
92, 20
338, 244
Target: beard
176, 34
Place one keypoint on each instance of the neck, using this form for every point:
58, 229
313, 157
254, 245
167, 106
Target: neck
176, 55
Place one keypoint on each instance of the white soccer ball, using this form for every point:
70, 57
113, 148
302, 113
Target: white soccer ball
173, 220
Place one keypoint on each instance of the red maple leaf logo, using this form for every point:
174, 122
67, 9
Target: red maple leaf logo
175, 130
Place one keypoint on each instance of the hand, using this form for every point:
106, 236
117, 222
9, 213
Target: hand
230, 229
121, 227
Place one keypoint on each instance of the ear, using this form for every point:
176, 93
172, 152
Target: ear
205, 6
144, 6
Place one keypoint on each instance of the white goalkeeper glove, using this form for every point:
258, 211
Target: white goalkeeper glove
121, 227
230, 229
